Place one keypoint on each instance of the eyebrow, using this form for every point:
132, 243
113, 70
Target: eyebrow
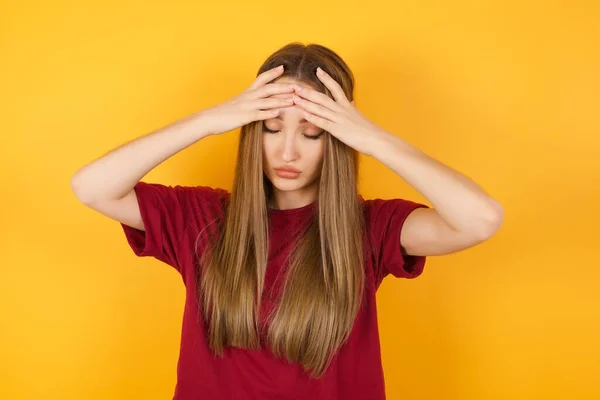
282, 112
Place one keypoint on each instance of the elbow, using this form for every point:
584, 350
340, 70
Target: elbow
492, 222
78, 188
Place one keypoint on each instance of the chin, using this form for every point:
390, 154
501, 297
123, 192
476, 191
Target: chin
287, 185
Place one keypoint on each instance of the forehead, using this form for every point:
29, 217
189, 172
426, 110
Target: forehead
293, 113
287, 79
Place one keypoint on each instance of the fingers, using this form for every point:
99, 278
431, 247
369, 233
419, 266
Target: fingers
322, 123
266, 77
265, 104
316, 109
336, 90
272, 89
262, 115
318, 97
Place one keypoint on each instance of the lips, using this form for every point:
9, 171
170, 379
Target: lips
288, 169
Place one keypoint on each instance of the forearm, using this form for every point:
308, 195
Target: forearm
463, 205
115, 174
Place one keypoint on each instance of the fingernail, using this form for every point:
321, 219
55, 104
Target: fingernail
319, 71
298, 88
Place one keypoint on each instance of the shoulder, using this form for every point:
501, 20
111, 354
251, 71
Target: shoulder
383, 223
191, 205
379, 211
207, 193
182, 193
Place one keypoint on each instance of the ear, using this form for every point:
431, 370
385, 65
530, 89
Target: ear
352, 102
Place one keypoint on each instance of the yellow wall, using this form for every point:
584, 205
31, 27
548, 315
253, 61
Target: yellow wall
505, 92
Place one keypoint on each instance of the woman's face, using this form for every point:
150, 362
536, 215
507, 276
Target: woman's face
291, 141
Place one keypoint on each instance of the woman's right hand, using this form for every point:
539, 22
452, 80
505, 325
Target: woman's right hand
253, 104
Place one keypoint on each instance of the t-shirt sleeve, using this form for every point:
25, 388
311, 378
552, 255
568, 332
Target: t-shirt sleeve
385, 219
168, 213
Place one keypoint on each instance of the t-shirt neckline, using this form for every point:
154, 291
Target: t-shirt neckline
292, 211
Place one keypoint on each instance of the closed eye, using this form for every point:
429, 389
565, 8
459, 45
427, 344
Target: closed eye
311, 137
315, 137
269, 130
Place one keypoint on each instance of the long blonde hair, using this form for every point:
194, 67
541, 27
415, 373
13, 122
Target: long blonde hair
323, 289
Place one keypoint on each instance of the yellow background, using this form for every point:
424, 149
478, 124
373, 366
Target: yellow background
505, 92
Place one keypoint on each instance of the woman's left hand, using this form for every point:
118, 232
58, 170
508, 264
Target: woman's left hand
338, 117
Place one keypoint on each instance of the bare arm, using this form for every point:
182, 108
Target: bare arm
463, 214
106, 184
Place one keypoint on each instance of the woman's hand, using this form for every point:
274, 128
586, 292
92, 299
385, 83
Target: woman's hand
253, 104
338, 116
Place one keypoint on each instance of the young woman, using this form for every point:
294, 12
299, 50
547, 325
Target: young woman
281, 273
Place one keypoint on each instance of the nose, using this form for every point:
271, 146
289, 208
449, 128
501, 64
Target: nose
290, 150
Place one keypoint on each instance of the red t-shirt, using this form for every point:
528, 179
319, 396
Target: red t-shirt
173, 218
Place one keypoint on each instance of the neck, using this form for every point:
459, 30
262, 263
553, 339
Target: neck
285, 200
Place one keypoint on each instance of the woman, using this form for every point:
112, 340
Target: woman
281, 273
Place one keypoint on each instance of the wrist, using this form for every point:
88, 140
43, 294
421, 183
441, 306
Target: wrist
201, 125
385, 143
379, 142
